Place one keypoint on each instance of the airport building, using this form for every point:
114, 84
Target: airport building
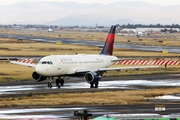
146, 31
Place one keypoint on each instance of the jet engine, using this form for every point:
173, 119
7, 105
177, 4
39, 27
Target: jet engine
91, 77
38, 77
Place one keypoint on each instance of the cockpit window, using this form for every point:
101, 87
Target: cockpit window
45, 62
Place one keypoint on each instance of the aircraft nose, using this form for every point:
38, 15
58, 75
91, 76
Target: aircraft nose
43, 70
40, 70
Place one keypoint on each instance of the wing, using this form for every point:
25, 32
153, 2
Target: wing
126, 68
26, 62
115, 69
119, 60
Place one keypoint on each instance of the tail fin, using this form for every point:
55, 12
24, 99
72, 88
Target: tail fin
109, 44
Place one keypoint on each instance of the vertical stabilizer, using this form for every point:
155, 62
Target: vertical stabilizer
109, 44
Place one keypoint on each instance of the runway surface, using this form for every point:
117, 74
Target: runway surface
114, 84
93, 43
67, 112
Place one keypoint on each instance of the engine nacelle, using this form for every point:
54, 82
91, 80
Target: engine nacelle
38, 77
91, 77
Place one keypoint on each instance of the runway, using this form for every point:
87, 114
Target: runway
114, 84
93, 43
59, 113
66, 112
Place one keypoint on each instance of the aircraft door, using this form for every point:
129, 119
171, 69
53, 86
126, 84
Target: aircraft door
61, 67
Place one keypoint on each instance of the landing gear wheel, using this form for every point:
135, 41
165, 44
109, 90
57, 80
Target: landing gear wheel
62, 82
58, 83
96, 84
92, 85
50, 85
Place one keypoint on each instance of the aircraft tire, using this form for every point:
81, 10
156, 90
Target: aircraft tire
61, 82
92, 85
58, 83
96, 84
50, 85
59, 86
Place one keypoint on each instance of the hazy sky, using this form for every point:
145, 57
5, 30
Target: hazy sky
159, 2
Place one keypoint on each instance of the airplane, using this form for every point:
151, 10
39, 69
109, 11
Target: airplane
140, 34
91, 67
50, 30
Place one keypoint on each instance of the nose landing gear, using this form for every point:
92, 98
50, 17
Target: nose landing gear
50, 82
50, 85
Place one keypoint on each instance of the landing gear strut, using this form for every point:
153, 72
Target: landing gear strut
50, 82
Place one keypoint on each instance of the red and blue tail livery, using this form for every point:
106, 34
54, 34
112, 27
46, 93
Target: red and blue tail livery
109, 44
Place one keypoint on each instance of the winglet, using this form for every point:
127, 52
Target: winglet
109, 44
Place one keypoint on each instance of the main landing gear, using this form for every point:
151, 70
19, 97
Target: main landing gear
94, 84
59, 82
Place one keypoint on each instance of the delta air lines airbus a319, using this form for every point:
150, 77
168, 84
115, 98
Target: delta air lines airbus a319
91, 67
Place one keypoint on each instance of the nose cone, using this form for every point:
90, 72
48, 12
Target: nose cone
39, 69
45, 70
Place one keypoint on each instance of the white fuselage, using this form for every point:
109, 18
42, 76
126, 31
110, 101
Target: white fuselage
57, 65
